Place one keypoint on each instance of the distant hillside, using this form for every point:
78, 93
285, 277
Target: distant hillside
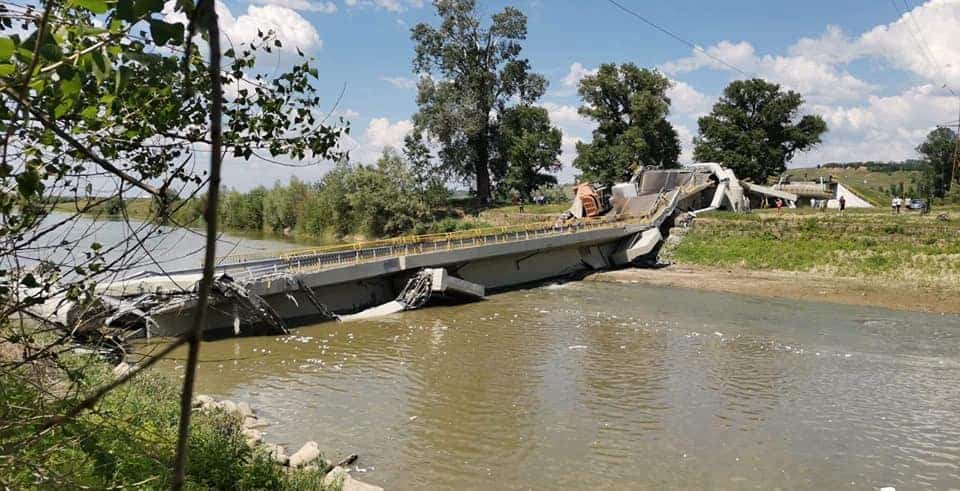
874, 166
873, 182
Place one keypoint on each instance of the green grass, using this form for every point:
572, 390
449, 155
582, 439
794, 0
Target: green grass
127, 440
866, 244
552, 208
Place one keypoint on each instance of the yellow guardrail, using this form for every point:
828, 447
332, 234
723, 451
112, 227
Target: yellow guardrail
369, 248
408, 240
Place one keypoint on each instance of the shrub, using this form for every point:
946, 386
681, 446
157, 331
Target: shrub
128, 439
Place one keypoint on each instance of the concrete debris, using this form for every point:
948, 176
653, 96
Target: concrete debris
278, 453
253, 436
122, 369
340, 476
335, 477
228, 406
202, 401
308, 453
244, 410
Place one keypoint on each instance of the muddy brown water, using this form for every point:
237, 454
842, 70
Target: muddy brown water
585, 385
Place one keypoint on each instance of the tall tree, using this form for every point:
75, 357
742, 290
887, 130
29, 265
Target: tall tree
108, 97
630, 106
938, 150
528, 146
469, 74
755, 129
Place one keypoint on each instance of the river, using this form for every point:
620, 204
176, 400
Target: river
130, 247
610, 386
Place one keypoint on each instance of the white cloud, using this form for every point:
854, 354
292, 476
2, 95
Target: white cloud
565, 115
924, 41
834, 46
379, 135
349, 114
400, 82
686, 143
816, 79
686, 100
739, 54
289, 27
576, 74
568, 147
306, 5
882, 128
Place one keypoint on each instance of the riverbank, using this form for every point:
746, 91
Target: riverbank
791, 285
128, 438
867, 257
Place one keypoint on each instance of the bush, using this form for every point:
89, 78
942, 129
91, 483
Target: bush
128, 440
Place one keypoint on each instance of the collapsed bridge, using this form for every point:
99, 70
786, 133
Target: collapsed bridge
604, 229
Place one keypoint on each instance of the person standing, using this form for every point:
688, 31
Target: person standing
779, 206
843, 204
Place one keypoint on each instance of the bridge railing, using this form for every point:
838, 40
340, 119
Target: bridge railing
316, 259
313, 259
415, 240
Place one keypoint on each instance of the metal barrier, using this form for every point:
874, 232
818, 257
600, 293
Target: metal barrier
307, 260
317, 259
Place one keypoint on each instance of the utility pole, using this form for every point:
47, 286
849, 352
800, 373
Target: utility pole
955, 172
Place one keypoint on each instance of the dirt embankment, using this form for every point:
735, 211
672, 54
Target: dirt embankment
789, 285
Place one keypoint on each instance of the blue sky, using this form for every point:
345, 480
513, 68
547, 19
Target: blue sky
875, 70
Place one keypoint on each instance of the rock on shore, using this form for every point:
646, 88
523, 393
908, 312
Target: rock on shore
307, 456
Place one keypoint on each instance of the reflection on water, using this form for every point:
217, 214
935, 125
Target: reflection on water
134, 246
588, 385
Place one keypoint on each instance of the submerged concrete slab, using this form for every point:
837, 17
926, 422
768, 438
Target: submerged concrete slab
442, 282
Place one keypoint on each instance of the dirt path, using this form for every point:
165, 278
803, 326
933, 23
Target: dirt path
791, 285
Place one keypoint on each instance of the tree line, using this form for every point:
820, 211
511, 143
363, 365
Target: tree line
384, 199
477, 119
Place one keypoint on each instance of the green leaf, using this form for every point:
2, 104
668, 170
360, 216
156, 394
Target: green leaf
145, 7
63, 108
38, 84
95, 6
29, 281
164, 32
90, 112
29, 183
125, 10
6, 70
71, 87
6, 48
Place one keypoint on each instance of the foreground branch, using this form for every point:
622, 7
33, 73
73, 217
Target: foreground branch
209, 13
80, 147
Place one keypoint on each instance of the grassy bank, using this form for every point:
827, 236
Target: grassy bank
127, 440
905, 251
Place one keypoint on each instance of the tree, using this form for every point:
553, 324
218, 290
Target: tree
755, 129
469, 74
101, 95
527, 149
283, 204
938, 150
630, 106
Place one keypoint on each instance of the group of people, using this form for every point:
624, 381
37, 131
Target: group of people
897, 203
841, 204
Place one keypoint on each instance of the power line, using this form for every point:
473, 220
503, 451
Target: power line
676, 37
918, 37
